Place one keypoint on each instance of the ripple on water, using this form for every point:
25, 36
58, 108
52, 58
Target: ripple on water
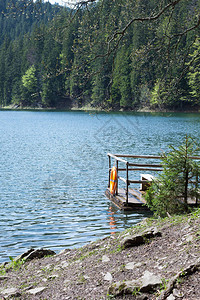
54, 173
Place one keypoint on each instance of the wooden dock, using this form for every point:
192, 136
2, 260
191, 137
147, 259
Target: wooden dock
127, 198
132, 198
136, 200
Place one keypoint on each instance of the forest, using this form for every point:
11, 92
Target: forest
119, 54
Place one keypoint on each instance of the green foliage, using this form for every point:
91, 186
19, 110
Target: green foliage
194, 72
156, 94
15, 264
81, 58
20, 17
170, 191
30, 91
109, 297
29, 79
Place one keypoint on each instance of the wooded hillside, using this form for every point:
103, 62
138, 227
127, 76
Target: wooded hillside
110, 54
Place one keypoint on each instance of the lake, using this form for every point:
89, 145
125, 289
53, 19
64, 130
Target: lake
54, 171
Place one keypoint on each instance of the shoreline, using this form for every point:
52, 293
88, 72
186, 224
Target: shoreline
153, 260
87, 108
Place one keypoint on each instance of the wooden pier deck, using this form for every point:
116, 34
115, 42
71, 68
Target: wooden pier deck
136, 199
128, 198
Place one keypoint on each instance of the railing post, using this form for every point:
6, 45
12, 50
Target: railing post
197, 179
109, 161
117, 178
127, 183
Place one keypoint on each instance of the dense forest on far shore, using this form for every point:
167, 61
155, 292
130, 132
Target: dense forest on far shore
120, 54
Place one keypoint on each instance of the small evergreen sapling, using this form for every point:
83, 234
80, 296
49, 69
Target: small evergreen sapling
170, 191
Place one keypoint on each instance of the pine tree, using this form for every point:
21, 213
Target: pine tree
179, 181
194, 72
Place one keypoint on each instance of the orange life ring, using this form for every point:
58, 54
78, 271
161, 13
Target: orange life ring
113, 180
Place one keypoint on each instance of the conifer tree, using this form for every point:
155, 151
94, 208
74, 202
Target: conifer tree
179, 181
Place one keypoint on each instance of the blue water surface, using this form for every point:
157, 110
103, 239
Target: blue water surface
54, 171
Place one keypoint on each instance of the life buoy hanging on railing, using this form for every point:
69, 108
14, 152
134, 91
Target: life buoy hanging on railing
113, 180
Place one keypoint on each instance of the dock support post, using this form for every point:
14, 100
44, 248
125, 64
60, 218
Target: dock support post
109, 160
117, 178
127, 183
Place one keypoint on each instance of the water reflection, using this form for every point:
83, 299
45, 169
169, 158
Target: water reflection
112, 221
118, 219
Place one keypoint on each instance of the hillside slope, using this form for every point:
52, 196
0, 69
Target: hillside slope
153, 260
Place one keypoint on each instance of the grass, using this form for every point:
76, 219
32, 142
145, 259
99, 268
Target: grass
84, 256
14, 264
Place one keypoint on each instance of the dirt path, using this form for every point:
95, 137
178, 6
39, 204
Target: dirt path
154, 260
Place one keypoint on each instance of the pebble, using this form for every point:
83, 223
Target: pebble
105, 258
64, 264
130, 266
108, 277
37, 290
11, 292
171, 297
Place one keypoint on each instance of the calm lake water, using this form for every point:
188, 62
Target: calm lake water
54, 171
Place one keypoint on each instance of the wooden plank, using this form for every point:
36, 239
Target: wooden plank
117, 158
121, 178
145, 165
138, 194
138, 156
134, 197
148, 156
133, 181
135, 202
139, 181
141, 169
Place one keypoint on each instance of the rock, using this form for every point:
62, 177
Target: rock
177, 293
3, 278
189, 238
171, 297
140, 239
152, 232
133, 241
23, 255
139, 264
64, 251
150, 282
130, 266
36, 291
32, 254
123, 287
11, 292
57, 259
108, 277
105, 258
64, 264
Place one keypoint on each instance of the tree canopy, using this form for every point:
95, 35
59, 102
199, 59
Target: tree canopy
109, 54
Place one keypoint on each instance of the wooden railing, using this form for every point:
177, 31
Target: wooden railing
131, 166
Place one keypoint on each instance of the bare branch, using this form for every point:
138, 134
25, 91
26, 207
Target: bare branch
143, 19
189, 29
